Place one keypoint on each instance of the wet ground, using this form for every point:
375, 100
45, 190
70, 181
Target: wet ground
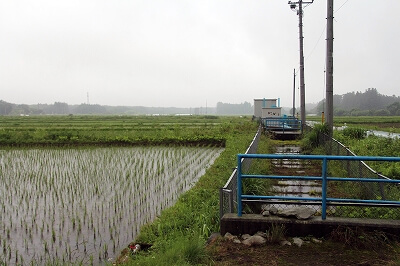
295, 188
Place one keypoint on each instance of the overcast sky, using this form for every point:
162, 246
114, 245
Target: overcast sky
189, 53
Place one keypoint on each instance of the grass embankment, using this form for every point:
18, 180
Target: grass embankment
345, 246
113, 130
179, 234
383, 123
355, 138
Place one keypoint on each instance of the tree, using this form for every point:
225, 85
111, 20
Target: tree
234, 109
60, 108
5, 108
393, 108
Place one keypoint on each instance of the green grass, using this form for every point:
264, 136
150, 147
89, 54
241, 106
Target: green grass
114, 130
383, 123
179, 233
355, 139
180, 250
196, 214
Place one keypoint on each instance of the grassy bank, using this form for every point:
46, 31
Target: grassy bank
384, 123
71, 130
178, 235
356, 140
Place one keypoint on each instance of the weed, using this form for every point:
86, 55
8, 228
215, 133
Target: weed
276, 233
359, 238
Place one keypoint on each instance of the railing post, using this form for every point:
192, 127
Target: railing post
239, 186
324, 187
230, 198
348, 163
338, 149
221, 203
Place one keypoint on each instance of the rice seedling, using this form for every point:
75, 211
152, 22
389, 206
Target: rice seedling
89, 196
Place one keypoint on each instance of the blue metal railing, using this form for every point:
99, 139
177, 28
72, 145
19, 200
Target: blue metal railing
284, 123
324, 178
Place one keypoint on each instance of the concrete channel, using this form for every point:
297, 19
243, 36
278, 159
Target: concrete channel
252, 223
301, 188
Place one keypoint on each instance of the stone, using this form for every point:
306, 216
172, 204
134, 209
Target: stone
297, 241
232, 238
316, 240
254, 241
213, 237
263, 234
285, 243
265, 213
246, 236
271, 209
301, 213
229, 236
237, 241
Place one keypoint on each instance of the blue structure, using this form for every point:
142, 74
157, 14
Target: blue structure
283, 123
323, 200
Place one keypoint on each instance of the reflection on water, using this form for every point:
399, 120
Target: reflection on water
291, 167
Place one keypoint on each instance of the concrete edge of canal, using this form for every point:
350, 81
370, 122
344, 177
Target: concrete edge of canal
315, 226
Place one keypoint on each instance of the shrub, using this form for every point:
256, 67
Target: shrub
355, 132
311, 140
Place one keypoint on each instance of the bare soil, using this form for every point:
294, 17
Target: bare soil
225, 252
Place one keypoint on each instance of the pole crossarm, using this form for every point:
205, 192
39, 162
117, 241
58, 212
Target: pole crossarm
302, 2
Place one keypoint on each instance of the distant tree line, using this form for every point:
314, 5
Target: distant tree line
234, 109
368, 103
61, 108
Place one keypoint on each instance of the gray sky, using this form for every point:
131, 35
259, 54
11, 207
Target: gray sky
189, 53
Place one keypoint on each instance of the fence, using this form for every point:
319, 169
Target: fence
324, 200
286, 123
350, 169
228, 194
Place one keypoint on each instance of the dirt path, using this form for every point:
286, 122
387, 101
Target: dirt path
224, 252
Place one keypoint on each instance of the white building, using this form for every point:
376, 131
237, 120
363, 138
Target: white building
264, 108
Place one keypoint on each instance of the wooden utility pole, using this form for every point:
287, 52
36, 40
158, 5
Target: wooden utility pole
329, 66
302, 84
293, 6
294, 92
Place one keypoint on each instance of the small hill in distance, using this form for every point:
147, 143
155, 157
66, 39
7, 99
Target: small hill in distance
368, 103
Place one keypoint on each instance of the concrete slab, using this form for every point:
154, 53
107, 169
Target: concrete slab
285, 135
252, 223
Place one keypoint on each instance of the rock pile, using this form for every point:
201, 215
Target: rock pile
301, 213
261, 238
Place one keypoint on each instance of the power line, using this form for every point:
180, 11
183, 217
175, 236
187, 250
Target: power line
340, 6
315, 46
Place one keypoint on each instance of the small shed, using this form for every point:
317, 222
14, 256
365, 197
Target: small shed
267, 108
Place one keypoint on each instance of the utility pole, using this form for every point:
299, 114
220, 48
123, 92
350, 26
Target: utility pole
298, 6
329, 66
294, 92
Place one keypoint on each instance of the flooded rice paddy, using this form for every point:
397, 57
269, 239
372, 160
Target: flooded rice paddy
86, 205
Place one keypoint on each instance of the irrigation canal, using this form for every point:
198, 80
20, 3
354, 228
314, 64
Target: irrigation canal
299, 188
252, 223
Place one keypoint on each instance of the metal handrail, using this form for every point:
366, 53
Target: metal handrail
228, 192
324, 178
282, 123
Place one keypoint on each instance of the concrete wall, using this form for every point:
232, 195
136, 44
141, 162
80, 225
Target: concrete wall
271, 112
259, 104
